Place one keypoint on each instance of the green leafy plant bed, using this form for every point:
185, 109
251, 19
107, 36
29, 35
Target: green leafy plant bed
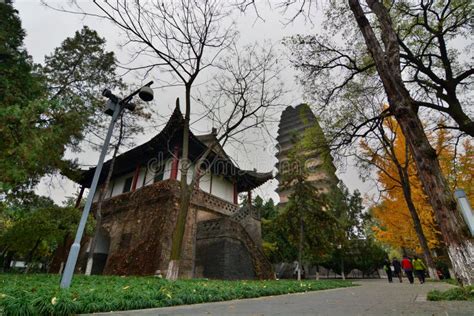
40, 294
455, 294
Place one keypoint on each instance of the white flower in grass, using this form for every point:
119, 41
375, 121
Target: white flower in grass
54, 300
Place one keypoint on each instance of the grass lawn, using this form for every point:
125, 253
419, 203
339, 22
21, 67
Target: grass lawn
455, 294
39, 294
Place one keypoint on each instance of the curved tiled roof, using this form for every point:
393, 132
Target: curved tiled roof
165, 141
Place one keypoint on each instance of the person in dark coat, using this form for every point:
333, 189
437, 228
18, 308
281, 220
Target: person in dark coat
408, 268
397, 269
388, 270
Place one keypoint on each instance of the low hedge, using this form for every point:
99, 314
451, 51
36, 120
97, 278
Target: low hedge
40, 294
455, 294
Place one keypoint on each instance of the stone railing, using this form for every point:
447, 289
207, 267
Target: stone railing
244, 212
214, 203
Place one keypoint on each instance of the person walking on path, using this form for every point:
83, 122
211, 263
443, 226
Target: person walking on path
388, 270
419, 268
397, 269
408, 268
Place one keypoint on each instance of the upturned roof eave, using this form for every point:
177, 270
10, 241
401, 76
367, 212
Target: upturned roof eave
246, 179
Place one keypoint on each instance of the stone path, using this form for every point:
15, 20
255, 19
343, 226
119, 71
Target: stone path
371, 297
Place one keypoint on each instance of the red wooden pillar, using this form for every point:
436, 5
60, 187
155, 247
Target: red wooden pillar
249, 197
236, 194
175, 164
135, 178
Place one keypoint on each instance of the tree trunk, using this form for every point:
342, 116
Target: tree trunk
404, 181
453, 228
30, 255
454, 231
186, 192
419, 231
300, 249
342, 266
178, 235
7, 261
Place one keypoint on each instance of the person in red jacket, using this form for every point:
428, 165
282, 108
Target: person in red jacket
408, 268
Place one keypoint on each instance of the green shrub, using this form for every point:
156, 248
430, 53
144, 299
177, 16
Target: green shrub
40, 294
454, 294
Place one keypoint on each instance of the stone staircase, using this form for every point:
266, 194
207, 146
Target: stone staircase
231, 228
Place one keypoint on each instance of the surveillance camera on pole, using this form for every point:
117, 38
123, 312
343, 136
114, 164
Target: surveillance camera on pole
114, 108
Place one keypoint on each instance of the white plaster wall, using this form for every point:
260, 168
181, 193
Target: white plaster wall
119, 184
205, 183
222, 188
150, 174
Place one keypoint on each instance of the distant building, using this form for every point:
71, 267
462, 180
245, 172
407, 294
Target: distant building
140, 211
294, 122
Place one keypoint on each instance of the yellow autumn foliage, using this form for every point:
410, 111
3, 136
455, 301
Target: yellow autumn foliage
395, 225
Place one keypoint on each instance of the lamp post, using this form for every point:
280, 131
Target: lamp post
114, 107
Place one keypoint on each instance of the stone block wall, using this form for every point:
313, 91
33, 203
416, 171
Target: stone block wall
223, 258
140, 226
224, 250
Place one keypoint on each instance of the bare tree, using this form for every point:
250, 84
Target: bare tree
386, 55
432, 68
381, 41
183, 37
241, 98
426, 31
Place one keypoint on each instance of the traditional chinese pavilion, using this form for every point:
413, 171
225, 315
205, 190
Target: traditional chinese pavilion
222, 240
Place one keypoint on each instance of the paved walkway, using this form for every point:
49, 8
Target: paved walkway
372, 297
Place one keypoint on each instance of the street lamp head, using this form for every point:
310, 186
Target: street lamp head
146, 93
108, 94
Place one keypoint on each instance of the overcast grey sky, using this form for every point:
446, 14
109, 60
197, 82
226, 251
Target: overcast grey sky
46, 29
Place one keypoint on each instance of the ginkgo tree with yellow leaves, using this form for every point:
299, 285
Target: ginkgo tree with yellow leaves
388, 152
404, 216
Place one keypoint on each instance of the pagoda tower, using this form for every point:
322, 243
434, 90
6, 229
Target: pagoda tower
294, 122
